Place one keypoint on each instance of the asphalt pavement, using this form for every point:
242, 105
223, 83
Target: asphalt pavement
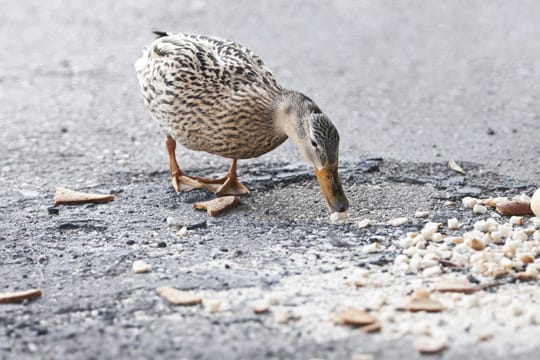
409, 84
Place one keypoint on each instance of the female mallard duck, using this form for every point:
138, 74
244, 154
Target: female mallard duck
217, 96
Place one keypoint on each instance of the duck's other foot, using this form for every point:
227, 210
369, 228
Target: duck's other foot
226, 185
232, 187
182, 183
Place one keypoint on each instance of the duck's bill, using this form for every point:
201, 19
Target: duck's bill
331, 187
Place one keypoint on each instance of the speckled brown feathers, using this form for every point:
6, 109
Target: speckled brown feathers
211, 95
216, 96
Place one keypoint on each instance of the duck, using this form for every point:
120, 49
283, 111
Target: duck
215, 95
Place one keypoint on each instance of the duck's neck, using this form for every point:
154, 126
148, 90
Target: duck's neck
288, 113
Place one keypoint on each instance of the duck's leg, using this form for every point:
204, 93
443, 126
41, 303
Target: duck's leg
227, 185
232, 186
180, 181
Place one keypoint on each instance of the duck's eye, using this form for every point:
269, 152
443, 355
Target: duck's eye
314, 143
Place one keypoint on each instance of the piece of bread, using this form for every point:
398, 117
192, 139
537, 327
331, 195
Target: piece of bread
19, 296
65, 196
514, 208
217, 206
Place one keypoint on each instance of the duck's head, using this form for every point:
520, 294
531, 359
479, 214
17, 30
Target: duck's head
317, 139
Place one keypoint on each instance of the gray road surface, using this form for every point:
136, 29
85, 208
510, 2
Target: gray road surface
415, 81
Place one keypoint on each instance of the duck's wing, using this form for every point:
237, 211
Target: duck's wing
239, 61
207, 61
210, 94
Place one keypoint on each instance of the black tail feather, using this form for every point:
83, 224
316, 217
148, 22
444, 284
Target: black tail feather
160, 34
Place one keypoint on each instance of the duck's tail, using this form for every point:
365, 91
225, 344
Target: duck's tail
142, 62
161, 34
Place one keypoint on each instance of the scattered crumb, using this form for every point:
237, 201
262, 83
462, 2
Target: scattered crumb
479, 209
182, 232
363, 357
372, 248
339, 217
281, 316
261, 308
485, 336
428, 305
516, 220
178, 297
453, 224
140, 267
469, 202
398, 221
431, 345
364, 223
212, 306
535, 203
355, 317
454, 166
451, 284
371, 328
